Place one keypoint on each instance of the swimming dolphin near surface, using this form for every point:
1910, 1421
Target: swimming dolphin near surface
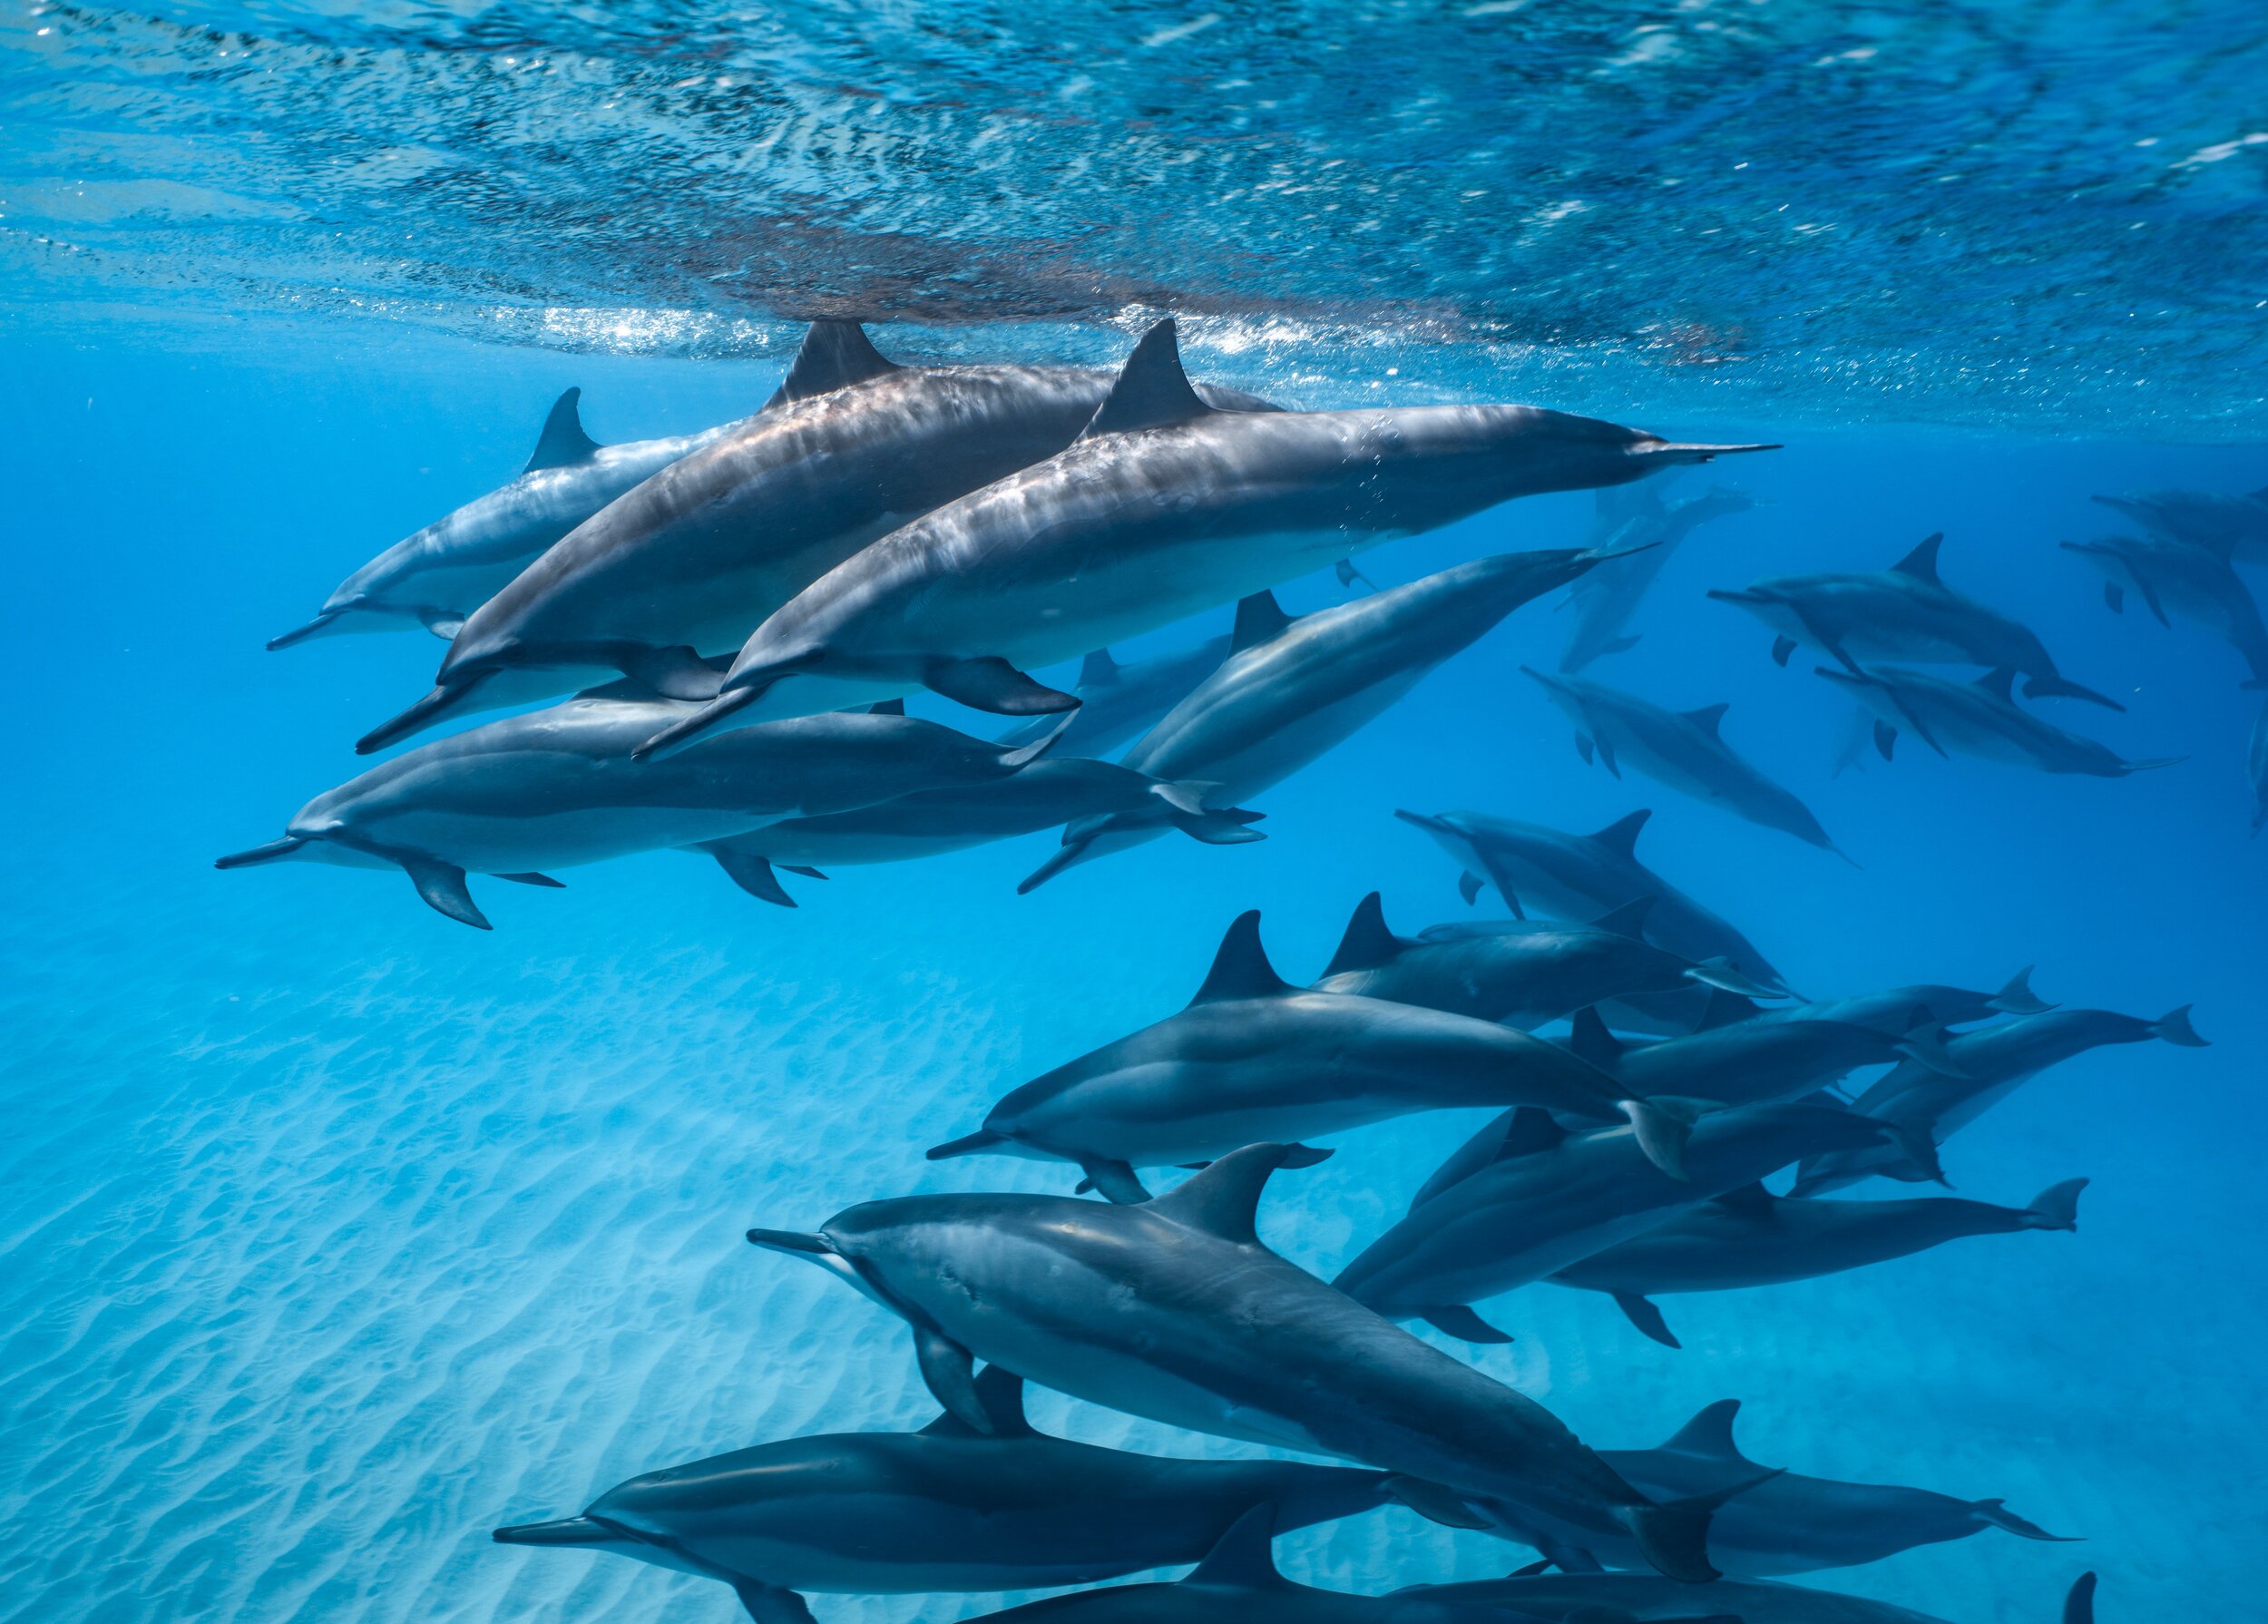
1253, 1054
552, 787
1749, 1236
1989, 1066
1903, 612
439, 575
1164, 506
1978, 719
2233, 526
1522, 974
1644, 1599
2181, 578
1582, 876
1292, 688
1043, 795
1175, 1311
1117, 702
1604, 600
1525, 1198
1750, 1062
1681, 749
1789, 1524
946, 1508
690, 562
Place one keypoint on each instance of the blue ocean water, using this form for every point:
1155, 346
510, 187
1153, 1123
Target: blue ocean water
336, 1235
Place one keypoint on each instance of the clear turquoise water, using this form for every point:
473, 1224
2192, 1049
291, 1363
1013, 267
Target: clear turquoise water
332, 1235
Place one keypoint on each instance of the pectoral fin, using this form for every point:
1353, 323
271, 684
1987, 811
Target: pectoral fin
1434, 1503
675, 673
753, 875
1886, 740
1469, 885
1457, 1320
1781, 647
769, 1604
442, 885
1116, 1180
1642, 1312
2114, 596
949, 1371
988, 682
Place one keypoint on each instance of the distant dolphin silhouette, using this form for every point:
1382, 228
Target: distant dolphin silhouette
1978, 719
2181, 578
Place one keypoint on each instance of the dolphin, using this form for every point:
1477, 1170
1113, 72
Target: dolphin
1749, 1236
1174, 1310
2234, 526
1043, 795
946, 1508
1681, 749
1253, 1054
439, 575
690, 561
552, 788
1163, 507
2181, 578
1604, 600
1117, 702
1644, 1599
1582, 876
1903, 612
2256, 769
1901, 1009
1788, 1523
1541, 1198
1978, 719
1293, 687
1989, 1066
1750, 1062
1522, 974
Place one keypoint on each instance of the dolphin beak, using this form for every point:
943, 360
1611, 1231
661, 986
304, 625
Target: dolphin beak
269, 853
1422, 820
566, 1530
793, 1242
1737, 595
1848, 679
299, 634
1682, 452
428, 710
1551, 684
686, 729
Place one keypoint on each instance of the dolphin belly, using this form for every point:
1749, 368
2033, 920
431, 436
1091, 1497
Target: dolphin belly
517, 842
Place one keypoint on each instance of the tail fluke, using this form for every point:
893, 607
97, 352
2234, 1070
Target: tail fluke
2057, 1206
2016, 998
2174, 1028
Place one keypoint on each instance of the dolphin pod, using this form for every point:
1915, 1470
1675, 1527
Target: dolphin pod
1174, 1310
1978, 719
1252, 1054
1164, 506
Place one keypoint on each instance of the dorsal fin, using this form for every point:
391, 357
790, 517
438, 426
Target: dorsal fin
1998, 683
562, 442
1710, 1433
1001, 1392
886, 708
1224, 1198
833, 356
1244, 1557
1096, 669
1621, 837
1151, 390
1258, 618
1922, 562
1531, 1131
1706, 718
1241, 968
1592, 1041
1753, 1199
1629, 919
1367, 942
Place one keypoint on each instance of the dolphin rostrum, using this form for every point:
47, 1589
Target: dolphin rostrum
1903, 612
946, 1508
1750, 1238
552, 787
1525, 974
1988, 1064
1978, 719
1293, 689
1541, 1198
1582, 876
2233, 526
1681, 749
1174, 1310
443, 572
1252, 1054
1163, 507
690, 561
1604, 600
2181, 578
1530, 1596
1117, 701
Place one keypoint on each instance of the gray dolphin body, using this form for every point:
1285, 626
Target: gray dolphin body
554, 787
1645, 1599
1174, 1310
1681, 749
695, 558
1549, 1198
1604, 601
1293, 689
946, 1508
1117, 702
2234, 526
1163, 507
1253, 1055
2256, 768
1904, 613
1582, 876
1044, 795
1750, 1238
1979, 718
1522, 974
1751, 1062
1989, 1066
440, 574
1787, 1523
2181, 578
1901, 1009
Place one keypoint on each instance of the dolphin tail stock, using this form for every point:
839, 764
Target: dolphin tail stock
1995, 1513
1673, 1536
274, 851
2173, 1027
2055, 687
323, 622
2057, 1207
563, 1530
441, 702
1662, 1131
686, 730
2017, 997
